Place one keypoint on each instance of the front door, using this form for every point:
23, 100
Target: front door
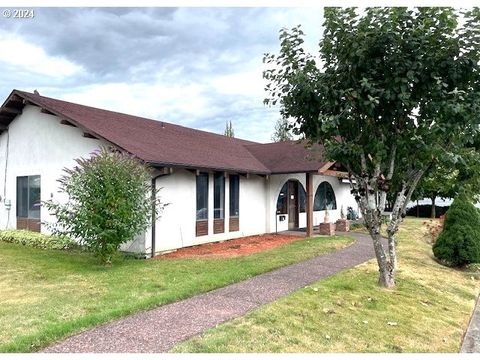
292, 205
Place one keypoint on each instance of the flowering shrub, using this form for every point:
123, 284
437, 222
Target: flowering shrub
434, 228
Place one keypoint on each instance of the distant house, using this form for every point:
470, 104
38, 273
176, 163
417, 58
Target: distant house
218, 187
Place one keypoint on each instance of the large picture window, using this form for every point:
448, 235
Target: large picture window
234, 192
28, 203
282, 199
324, 198
28, 197
202, 196
234, 195
219, 196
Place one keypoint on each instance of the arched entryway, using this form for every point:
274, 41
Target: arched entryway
291, 202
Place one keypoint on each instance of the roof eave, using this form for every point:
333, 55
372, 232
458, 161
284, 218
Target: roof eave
157, 164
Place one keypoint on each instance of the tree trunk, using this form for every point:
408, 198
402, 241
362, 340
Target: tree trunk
433, 213
386, 269
386, 266
386, 279
418, 210
371, 198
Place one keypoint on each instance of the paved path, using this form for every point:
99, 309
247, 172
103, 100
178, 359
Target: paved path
158, 330
471, 341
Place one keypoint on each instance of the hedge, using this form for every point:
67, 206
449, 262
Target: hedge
37, 240
425, 211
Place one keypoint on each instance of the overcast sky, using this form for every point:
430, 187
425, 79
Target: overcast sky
197, 67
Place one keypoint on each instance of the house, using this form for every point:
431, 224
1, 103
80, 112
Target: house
217, 187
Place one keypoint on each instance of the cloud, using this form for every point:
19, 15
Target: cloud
197, 67
28, 58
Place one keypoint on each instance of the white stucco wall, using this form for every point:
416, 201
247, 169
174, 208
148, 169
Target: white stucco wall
176, 226
39, 145
258, 199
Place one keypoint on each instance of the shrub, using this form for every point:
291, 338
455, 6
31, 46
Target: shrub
351, 214
109, 202
37, 240
357, 226
459, 242
434, 228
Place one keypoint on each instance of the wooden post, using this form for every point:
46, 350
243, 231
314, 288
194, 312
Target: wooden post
309, 204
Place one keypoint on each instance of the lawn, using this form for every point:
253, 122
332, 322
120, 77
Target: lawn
48, 295
428, 311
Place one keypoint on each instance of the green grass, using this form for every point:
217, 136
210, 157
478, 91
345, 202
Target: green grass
49, 294
428, 310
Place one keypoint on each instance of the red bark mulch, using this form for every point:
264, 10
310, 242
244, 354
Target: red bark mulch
232, 248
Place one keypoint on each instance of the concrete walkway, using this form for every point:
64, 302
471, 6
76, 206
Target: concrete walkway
158, 330
471, 341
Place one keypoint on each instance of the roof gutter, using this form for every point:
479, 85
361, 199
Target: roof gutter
205, 168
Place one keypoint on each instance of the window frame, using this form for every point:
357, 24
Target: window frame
26, 198
198, 178
322, 192
234, 206
219, 212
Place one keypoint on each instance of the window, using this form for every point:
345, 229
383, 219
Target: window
302, 198
324, 198
234, 195
28, 197
219, 196
202, 196
282, 199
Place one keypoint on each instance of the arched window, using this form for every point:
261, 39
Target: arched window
324, 198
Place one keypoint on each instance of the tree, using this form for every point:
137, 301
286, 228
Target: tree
459, 242
229, 129
282, 131
110, 201
438, 182
452, 178
395, 90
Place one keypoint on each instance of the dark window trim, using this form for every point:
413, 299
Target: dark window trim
28, 178
203, 210
221, 209
326, 187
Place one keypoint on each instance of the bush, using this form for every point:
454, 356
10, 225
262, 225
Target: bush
351, 214
357, 226
434, 229
459, 242
109, 202
37, 240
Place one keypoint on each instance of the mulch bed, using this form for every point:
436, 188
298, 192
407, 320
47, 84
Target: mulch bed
232, 248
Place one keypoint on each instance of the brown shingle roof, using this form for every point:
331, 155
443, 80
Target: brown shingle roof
167, 144
288, 156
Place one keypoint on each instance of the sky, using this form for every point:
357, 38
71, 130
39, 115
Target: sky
197, 67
